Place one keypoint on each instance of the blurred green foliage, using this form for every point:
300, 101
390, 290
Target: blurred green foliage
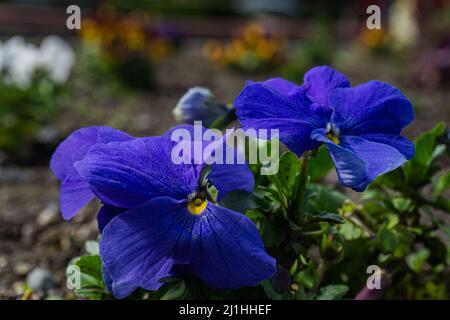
24, 111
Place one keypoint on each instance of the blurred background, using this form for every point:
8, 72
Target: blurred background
130, 63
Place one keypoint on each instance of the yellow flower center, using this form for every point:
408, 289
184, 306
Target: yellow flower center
197, 205
333, 137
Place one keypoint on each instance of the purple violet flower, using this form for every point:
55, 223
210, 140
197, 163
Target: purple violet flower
157, 219
359, 125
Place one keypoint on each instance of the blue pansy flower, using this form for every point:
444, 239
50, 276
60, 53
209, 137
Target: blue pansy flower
158, 219
359, 125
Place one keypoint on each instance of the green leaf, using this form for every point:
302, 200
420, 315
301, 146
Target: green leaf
325, 199
324, 216
308, 277
238, 200
320, 165
91, 285
402, 204
176, 291
90, 265
288, 169
350, 231
271, 293
442, 184
397, 241
332, 292
416, 260
417, 169
273, 235
258, 218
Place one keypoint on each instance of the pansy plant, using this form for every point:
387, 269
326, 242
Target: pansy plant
160, 219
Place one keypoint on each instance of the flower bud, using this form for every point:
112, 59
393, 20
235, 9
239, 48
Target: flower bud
199, 104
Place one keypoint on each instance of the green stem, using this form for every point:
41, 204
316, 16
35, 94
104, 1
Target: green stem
300, 188
225, 120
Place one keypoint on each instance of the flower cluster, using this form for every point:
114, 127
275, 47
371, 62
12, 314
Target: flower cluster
160, 219
120, 38
19, 60
253, 50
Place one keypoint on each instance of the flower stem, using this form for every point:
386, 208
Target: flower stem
225, 120
300, 188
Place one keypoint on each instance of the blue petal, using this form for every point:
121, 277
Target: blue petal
73, 148
140, 247
76, 193
403, 145
371, 108
319, 82
126, 174
106, 214
230, 177
292, 114
107, 278
225, 177
227, 251
359, 161
281, 85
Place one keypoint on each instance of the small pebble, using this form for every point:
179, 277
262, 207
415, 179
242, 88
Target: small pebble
22, 268
40, 280
48, 215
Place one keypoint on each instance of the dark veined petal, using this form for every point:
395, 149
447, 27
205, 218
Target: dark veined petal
259, 107
106, 214
227, 251
72, 149
140, 246
319, 82
76, 193
371, 108
359, 161
405, 146
126, 174
107, 279
225, 177
230, 177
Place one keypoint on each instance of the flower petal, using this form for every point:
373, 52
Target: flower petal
106, 214
319, 82
230, 177
371, 108
76, 193
225, 177
140, 246
293, 115
126, 174
72, 149
227, 251
281, 85
359, 161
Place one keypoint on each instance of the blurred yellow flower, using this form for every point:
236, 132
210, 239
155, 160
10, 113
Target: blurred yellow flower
251, 50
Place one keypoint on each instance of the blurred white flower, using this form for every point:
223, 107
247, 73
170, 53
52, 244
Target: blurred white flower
20, 60
1, 58
403, 26
57, 57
